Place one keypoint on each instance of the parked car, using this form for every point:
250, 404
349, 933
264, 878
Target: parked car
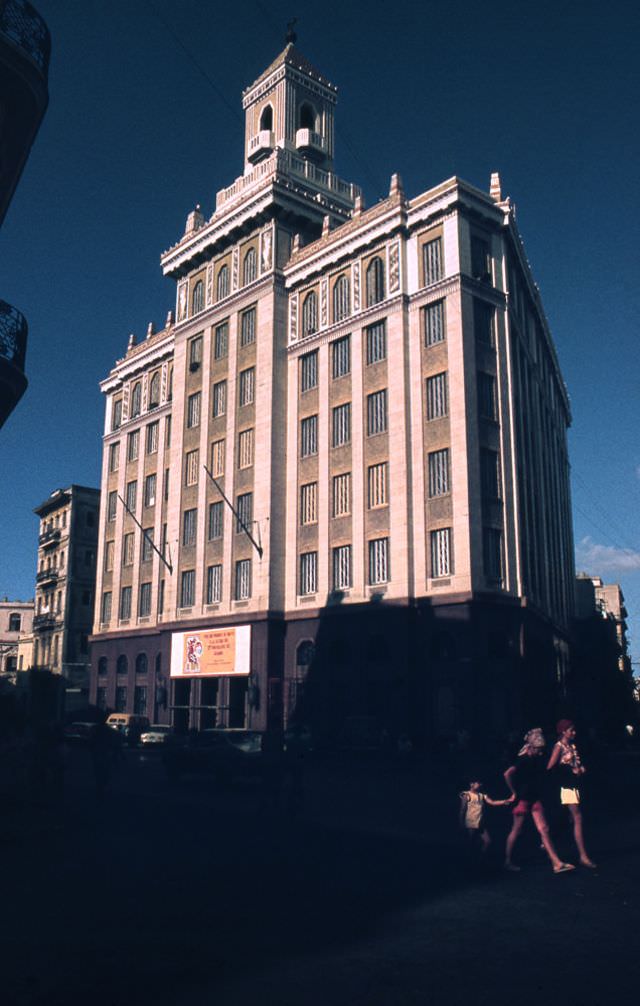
226, 755
156, 734
129, 725
78, 733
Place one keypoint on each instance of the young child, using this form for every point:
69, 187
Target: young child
472, 804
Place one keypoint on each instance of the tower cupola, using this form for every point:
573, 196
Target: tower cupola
290, 106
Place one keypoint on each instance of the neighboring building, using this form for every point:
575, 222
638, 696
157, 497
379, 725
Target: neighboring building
601, 684
25, 47
65, 584
377, 394
16, 618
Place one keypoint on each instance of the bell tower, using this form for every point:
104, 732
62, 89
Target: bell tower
290, 107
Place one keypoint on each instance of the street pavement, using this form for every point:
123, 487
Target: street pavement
185, 894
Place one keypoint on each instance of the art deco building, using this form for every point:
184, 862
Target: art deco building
65, 585
348, 452
25, 47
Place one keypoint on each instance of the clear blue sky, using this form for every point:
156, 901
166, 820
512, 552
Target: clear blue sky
135, 135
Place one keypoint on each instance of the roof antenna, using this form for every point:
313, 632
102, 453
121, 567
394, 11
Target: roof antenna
291, 38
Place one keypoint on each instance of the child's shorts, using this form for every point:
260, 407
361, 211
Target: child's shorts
569, 796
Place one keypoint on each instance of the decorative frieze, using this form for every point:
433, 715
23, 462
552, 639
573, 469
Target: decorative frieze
181, 301
324, 297
356, 286
394, 267
235, 265
266, 252
293, 318
209, 285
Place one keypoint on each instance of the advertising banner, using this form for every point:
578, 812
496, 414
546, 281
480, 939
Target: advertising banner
211, 652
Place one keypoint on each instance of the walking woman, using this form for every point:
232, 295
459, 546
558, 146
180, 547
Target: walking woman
526, 779
565, 761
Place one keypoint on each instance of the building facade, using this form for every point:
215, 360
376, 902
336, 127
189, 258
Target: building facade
25, 47
65, 585
351, 442
16, 618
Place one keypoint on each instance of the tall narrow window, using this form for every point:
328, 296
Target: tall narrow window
216, 515
487, 404
379, 560
144, 604
189, 527
490, 474
152, 437
245, 449
222, 283
483, 316
310, 314
197, 298
248, 327
127, 549
377, 484
341, 486
376, 342
125, 603
112, 505
249, 267
214, 584
219, 399
243, 580
375, 281
244, 511
308, 436
191, 468
437, 396
114, 456
150, 489
441, 557
341, 356
147, 544
341, 425
116, 418
136, 400
342, 567
492, 553
377, 412
154, 390
341, 298
309, 503
187, 588
480, 260
439, 472
195, 352
133, 443
105, 612
434, 329
432, 261
247, 383
221, 341
309, 371
308, 572
132, 492
109, 548
167, 432
193, 410
217, 458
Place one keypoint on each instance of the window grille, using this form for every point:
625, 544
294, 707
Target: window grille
375, 281
221, 341
379, 560
309, 371
214, 584
153, 430
187, 588
216, 516
197, 298
222, 283
219, 399
243, 579
341, 425
125, 603
441, 558
136, 399
245, 449
195, 352
154, 390
341, 356
248, 327
116, 420
341, 298
112, 504
131, 495
342, 567
150, 490
244, 511
114, 457
377, 479
127, 549
377, 412
437, 396
189, 527
308, 572
193, 410
376, 342
308, 436
342, 494
249, 267
105, 615
432, 261
133, 442
191, 468
147, 544
439, 472
217, 458
144, 604
309, 503
310, 314
434, 330
247, 382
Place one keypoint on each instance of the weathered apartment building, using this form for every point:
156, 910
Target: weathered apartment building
337, 483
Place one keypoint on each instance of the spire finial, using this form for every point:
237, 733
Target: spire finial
291, 37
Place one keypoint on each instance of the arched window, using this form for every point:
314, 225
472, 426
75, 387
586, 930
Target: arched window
136, 399
141, 663
222, 283
266, 118
122, 665
305, 653
102, 666
310, 314
15, 622
249, 267
341, 298
375, 281
197, 298
154, 390
307, 116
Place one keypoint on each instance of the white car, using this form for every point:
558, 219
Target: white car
156, 734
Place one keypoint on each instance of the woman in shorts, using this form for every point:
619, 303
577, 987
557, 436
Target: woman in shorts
526, 779
565, 761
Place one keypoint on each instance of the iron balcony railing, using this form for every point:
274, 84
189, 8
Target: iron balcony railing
13, 334
49, 537
22, 25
